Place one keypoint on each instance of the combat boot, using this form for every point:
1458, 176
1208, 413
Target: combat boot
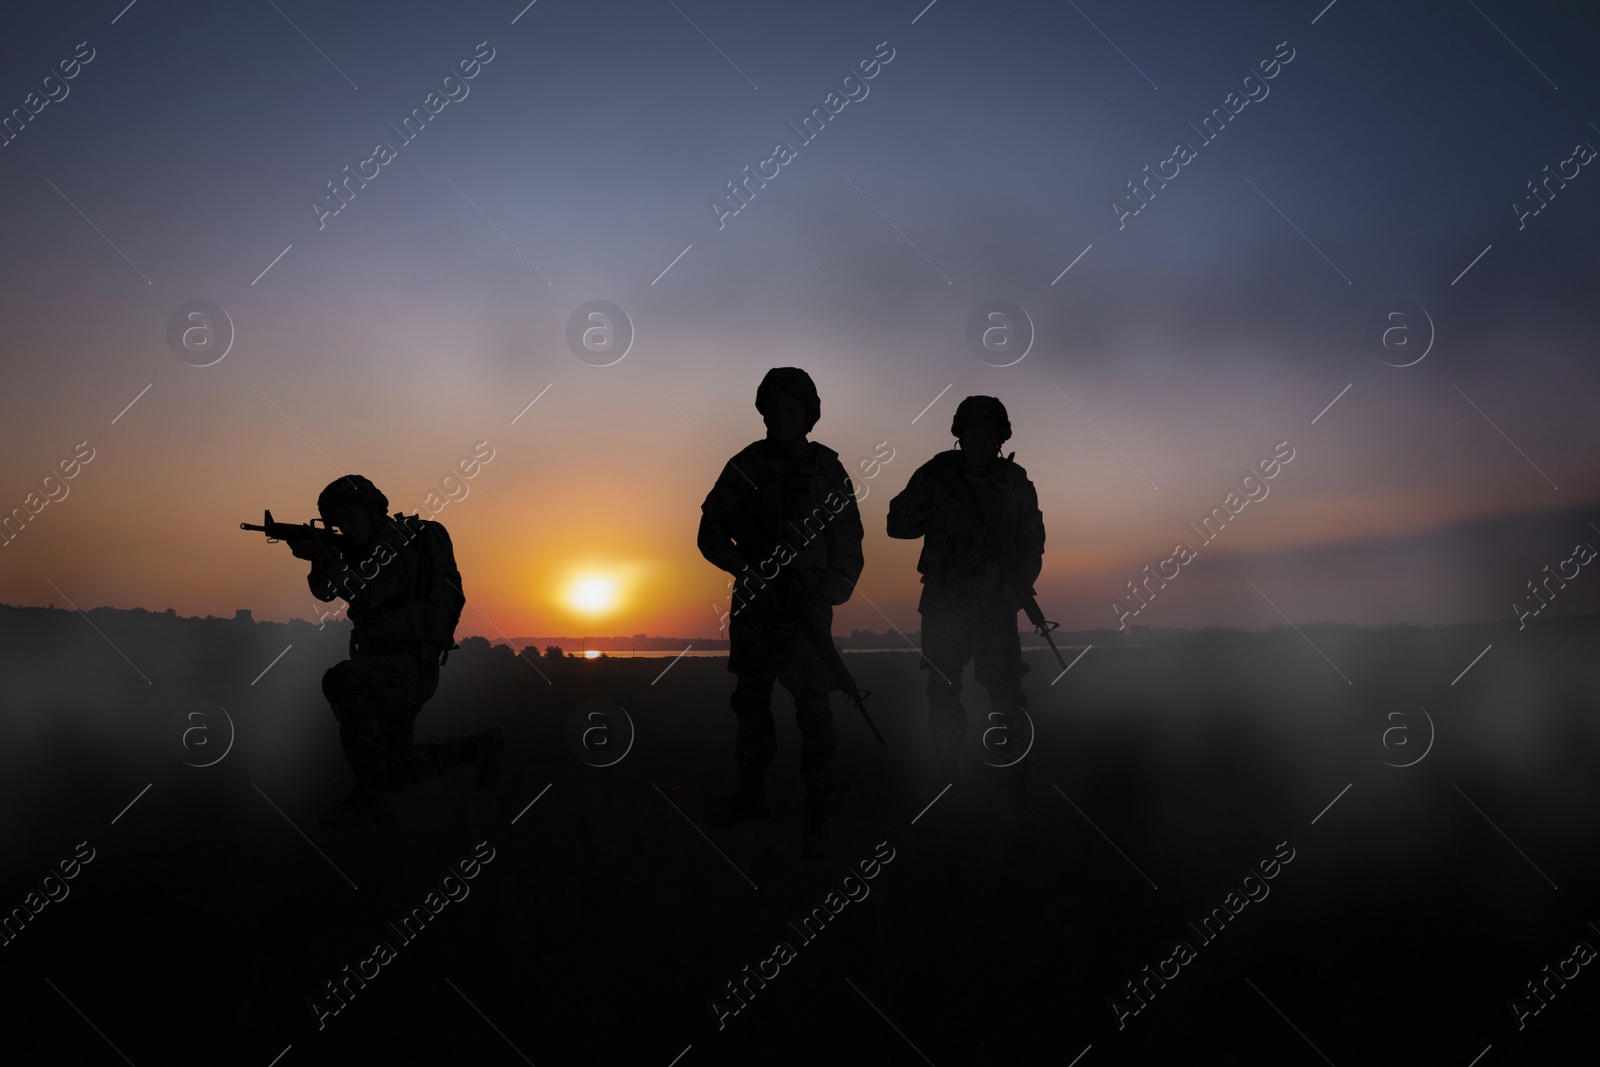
750, 802
816, 832
369, 804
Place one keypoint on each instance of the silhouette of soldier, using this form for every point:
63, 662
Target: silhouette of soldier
383, 570
968, 609
789, 505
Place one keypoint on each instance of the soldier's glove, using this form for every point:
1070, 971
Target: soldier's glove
315, 550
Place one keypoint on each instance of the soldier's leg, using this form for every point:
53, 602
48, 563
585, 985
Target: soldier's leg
407, 762
391, 692
814, 715
999, 667
422, 762
355, 692
348, 687
396, 728
755, 743
805, 674
410, 763
944, 655
755, 644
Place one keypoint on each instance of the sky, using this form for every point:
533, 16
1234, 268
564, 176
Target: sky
1385, 167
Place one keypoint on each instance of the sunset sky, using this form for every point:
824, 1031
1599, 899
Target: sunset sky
982, 161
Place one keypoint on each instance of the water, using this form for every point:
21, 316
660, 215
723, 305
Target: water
669, 654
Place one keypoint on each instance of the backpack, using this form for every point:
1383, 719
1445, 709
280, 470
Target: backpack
439, 581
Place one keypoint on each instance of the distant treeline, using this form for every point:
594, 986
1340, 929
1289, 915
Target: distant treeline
1135, 635
21, 626
26, 631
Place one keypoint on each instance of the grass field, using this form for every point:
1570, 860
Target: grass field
1418, 901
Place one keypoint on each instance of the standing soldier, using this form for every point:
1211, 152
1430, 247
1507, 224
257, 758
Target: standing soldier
968, 609
388, 573
782, 502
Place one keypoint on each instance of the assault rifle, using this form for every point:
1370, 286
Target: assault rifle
795, 604
292, 532
949, 477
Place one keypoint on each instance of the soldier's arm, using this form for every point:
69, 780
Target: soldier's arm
712, 538
911, 511
325, 568
385, 577
843, 536
1030, 535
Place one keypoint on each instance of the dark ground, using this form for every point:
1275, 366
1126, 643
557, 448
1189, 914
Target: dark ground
1401, 931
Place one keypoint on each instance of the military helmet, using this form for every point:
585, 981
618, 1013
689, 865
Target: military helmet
352, 490
795, 382
986, 409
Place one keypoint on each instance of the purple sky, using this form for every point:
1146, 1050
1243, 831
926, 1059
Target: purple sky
1378, 170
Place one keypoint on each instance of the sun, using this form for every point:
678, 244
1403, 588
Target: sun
592, 594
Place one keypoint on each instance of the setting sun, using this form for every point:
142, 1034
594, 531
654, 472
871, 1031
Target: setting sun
592, 594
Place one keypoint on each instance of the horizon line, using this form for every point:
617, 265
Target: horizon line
506, 641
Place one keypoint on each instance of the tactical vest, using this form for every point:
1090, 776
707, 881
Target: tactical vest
788, 504
958, 566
